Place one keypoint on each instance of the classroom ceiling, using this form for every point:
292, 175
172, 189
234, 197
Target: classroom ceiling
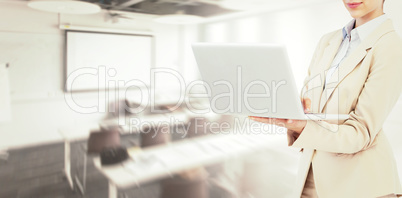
203, 8
180, 11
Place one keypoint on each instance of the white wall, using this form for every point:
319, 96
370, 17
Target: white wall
34, 46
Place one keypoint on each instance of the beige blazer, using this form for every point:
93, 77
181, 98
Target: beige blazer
352, 158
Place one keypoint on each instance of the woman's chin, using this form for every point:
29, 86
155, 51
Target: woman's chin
356, 14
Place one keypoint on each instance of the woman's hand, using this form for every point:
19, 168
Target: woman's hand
306, 104
294, 125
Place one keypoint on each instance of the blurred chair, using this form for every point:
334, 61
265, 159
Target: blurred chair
3, 156
104, 138
155, 135
198, 127
189, 184
230, 120
97, 141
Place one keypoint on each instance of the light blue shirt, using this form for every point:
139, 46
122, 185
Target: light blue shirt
352, 38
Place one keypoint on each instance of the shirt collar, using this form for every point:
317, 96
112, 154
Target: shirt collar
348, 28
364, 30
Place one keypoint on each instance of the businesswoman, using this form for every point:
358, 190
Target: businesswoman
356, 70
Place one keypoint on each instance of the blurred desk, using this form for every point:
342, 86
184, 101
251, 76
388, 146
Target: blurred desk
82, 132
163, 161
3, 154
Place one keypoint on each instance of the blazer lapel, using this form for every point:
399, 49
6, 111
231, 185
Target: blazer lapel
331, 50
340, 73
350, 62
325, 62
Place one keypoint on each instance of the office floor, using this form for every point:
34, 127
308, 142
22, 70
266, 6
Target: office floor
37, 172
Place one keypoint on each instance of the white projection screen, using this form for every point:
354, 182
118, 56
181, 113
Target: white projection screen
97, 61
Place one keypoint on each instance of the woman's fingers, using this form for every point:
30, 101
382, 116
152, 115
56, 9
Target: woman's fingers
307, 105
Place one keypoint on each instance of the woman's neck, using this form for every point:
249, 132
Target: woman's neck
368, 17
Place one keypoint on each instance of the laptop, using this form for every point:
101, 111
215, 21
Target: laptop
252, 80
